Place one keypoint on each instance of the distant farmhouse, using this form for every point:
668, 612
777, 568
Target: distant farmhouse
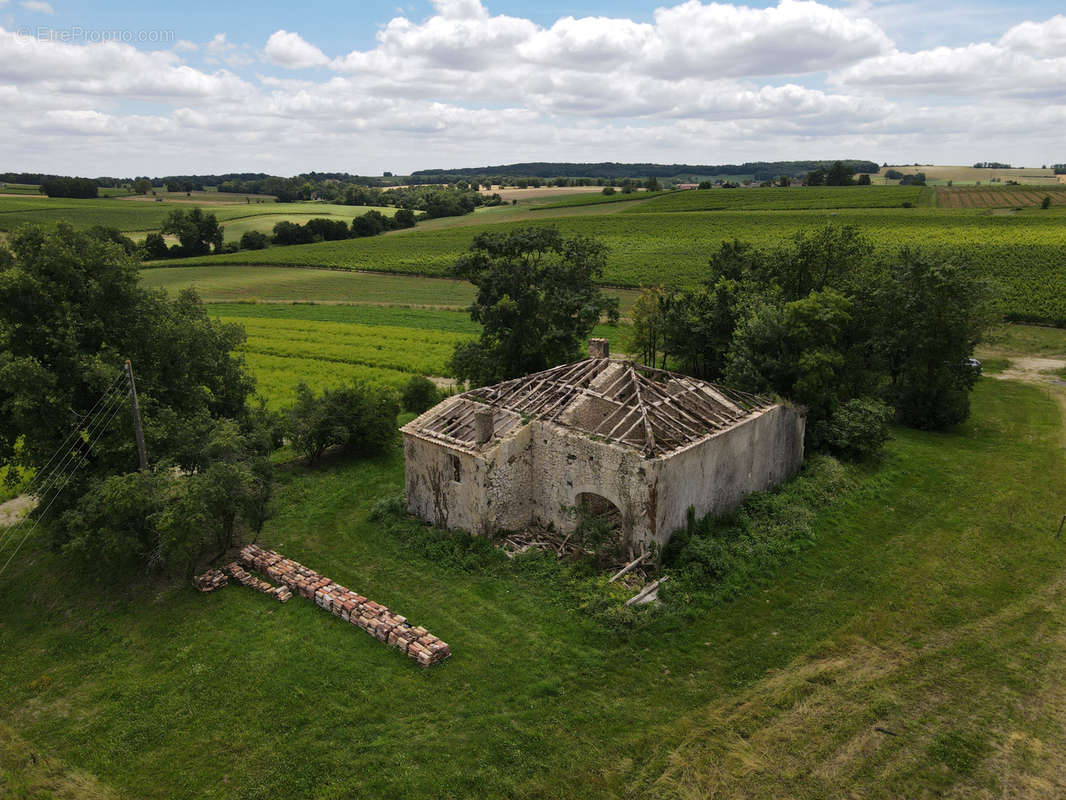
610, 437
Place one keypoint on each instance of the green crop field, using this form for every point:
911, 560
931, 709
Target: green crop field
1023, 255
287, 285
126, 215
330, 345
914, 649
782, 198
312, 285
416, 350
589, 199
19, 188
142, 214
278, 376
385, 316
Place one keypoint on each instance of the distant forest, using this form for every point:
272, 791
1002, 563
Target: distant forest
756, 170
592, 174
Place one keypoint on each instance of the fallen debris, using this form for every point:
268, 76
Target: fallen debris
649, 593
628, 567
416, 642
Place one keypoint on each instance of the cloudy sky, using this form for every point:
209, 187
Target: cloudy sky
122, 88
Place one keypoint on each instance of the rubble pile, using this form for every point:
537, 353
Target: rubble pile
235, 571
416, 642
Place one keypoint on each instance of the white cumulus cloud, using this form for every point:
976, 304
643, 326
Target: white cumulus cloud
38, 6
293, 51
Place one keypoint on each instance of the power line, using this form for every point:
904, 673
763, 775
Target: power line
80, 424
55, 496
57, 475
106, 406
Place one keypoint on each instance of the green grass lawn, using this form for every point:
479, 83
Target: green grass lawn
930, 605
1027, 340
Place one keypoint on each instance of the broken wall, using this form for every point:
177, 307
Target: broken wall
567, 464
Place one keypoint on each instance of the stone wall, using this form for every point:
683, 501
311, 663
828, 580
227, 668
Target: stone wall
493, 487
567, 464
715, 475
535, 473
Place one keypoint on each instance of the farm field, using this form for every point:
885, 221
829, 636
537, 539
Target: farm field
1021, 254
941, 174
129, 215
589, 199
915, 648
998, 196
284, 284
326, 286
329, 345
781, 198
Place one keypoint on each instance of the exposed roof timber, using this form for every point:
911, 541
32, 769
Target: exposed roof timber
653, 410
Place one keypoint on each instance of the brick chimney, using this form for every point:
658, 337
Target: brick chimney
483, 425
599, 348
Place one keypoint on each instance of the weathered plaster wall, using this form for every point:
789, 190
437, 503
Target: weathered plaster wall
715, 475
535, 473
492, 492
566, 464
432, 492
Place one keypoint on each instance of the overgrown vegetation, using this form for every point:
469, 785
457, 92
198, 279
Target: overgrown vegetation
356, 418
714, 559
828, 323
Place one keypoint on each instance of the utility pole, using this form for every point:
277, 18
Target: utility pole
138, 431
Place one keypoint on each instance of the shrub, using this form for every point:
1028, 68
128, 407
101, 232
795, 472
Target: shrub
608, 190
419, 394
1046, 202
360, 417
403, 218
254, 240
858, 428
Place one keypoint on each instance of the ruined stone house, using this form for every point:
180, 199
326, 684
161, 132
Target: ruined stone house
612, 437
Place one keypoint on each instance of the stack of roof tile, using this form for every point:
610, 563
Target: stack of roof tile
210, 580
416, 642
235, 571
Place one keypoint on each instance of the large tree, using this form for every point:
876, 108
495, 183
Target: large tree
71, 312
537, 301
198, 232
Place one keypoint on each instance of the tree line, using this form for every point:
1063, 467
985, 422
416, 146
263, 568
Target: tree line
854, 335
757, 170
200, 233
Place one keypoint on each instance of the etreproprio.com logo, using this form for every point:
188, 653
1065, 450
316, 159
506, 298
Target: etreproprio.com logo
79, 35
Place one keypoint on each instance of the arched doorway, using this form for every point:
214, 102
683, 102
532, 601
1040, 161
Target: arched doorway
590, 504
599, 524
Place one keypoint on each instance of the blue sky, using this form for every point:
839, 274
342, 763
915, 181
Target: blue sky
369, 86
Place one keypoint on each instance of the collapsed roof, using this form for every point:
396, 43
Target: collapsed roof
651, 410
